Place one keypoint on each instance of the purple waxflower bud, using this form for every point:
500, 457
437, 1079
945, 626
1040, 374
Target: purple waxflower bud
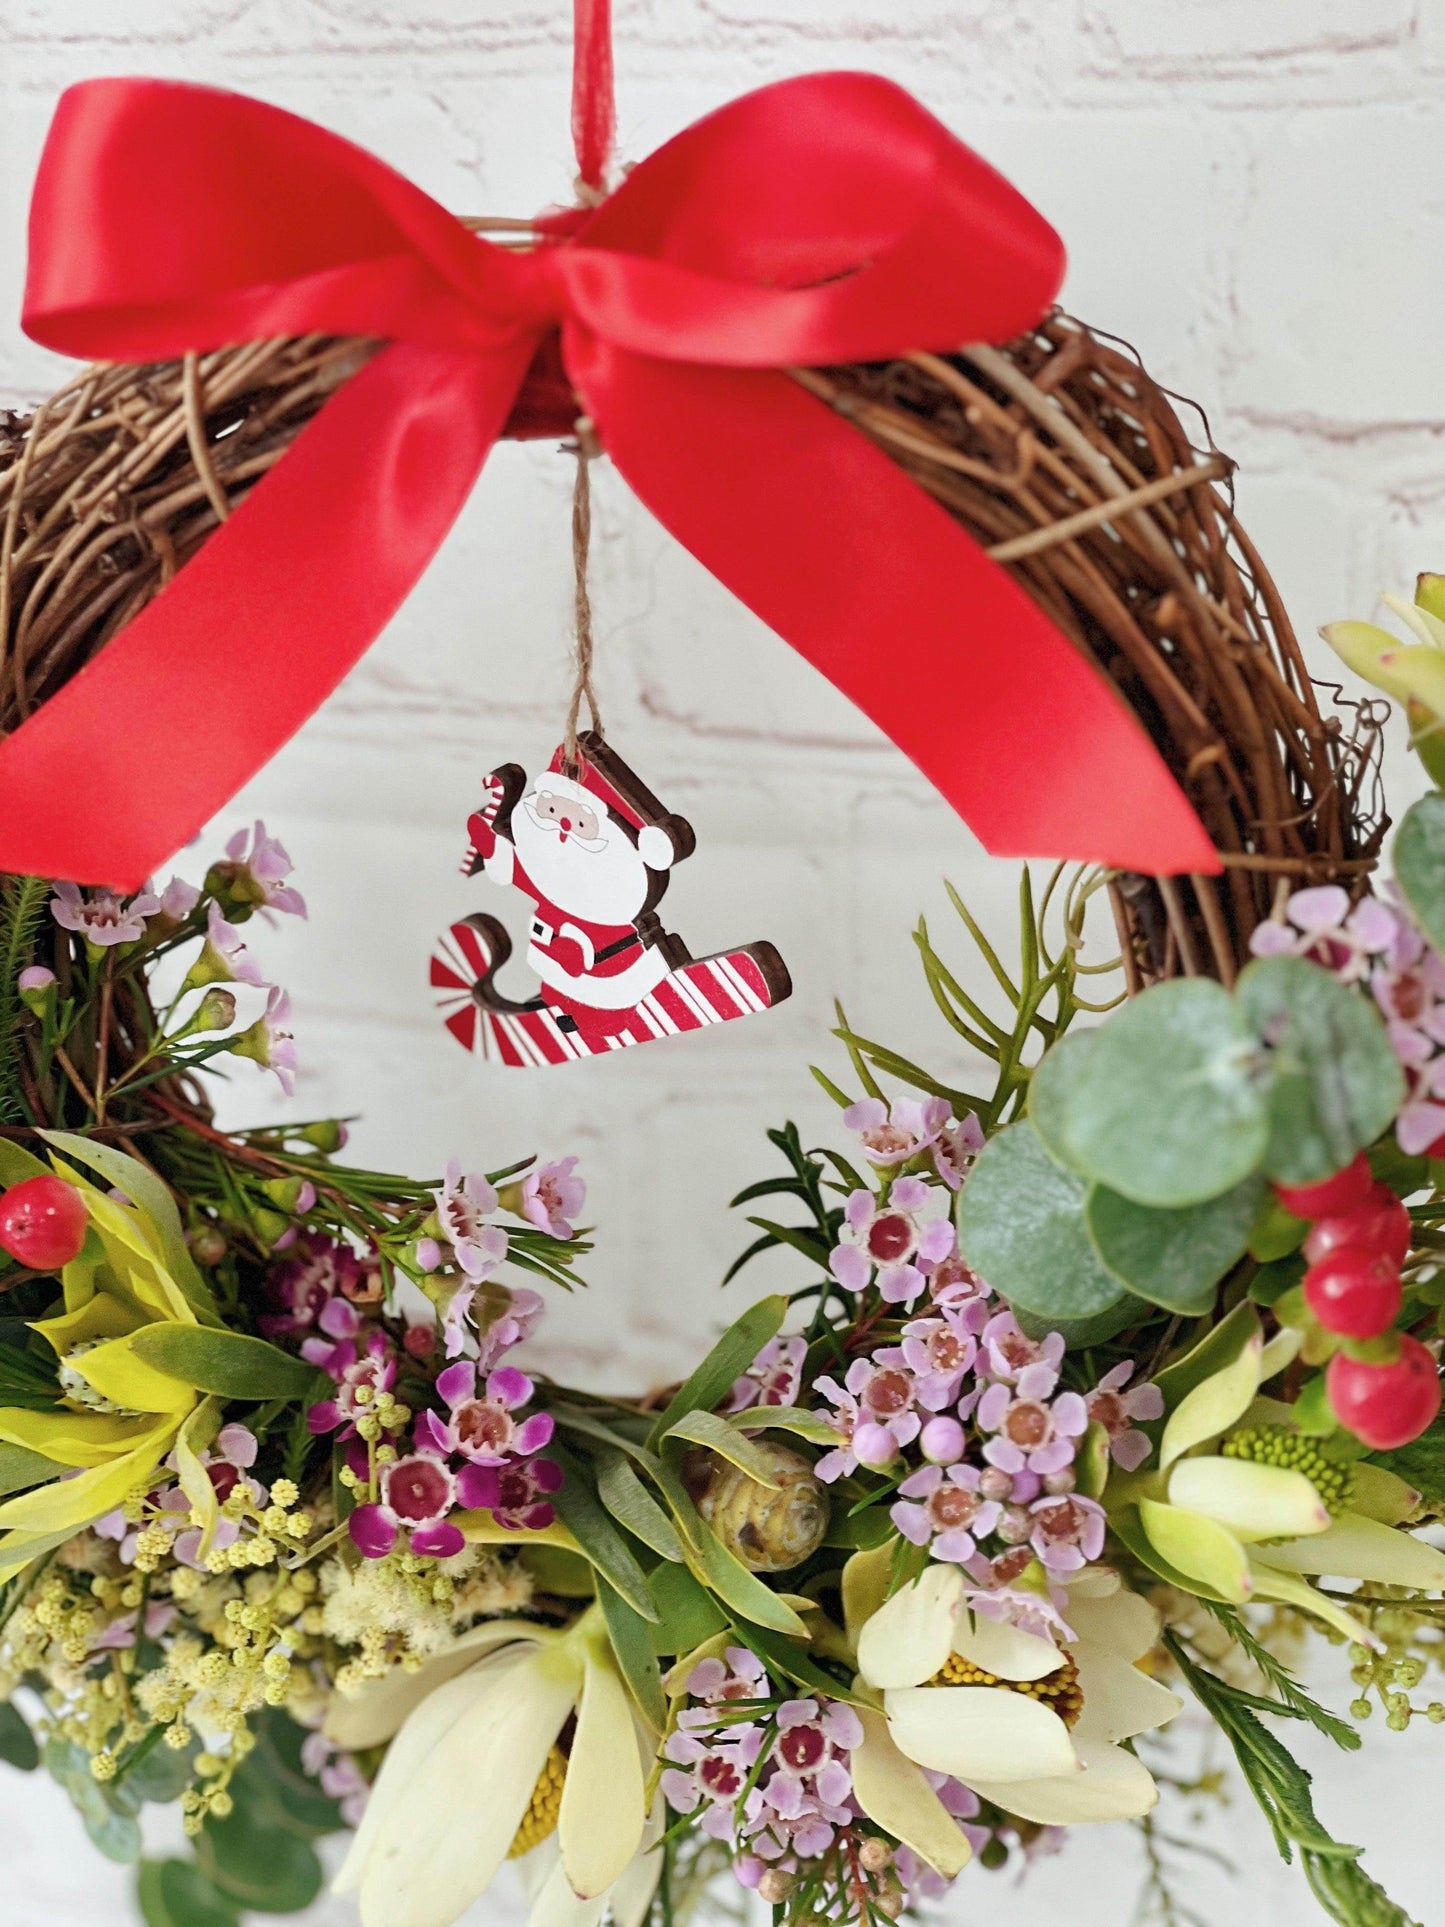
942, 1441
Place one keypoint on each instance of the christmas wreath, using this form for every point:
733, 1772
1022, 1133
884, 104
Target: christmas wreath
1109, 1377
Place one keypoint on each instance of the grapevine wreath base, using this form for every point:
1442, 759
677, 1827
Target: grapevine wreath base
1108, 1378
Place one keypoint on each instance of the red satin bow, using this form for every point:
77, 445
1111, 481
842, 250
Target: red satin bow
823, 219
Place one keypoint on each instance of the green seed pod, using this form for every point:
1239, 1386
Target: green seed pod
769, 1529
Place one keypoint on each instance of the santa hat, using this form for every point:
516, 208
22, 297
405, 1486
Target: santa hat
655, 845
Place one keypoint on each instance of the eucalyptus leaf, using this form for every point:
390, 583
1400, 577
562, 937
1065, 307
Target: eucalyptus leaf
175, 1893
1173, 1258
1079, 1334
17, 1742
1022, 1229
729, 1358
1056, 1076
225, 1363
1420, 865
1163, 1105
257, 1865
631, 1638
1336, 1083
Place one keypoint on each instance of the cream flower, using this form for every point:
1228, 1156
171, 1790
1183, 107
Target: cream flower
1039, 1734
1235, 1528
625, 1903
475, 1755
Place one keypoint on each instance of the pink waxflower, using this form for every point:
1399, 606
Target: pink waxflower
178, 899
1030, 1433
416, 1494
738, 1675
318, 1287
463, 1206
955, 1148
104, 918
353, 1368
1319, 924
893, 1134
1010, 1353
874, 1414
711, 1775
517, 1494
228, 959
514, 1315
952, 1283
945, 1511
893, 1239
266, 866
808, 1755
1116, 1410
270, 1041
340, 1777
552, 1197
1067, 1530
775, 1376
940, 1352
483, 1428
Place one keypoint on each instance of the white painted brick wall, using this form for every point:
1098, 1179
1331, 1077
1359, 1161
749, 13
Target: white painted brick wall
1250, 190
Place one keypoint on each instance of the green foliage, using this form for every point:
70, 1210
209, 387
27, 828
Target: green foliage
21, 1468
1022, 1227
144, 1188
17, 1742
805, 1182
22, 905
1174, 1259
687, 1612
1295, 1702
261, 1855
633, 1506
1421, 1464
728, 1359
175, 1893
26, 1378
1335, 1084
1420, 865
1281, 1786
226, 1364
631, 1638
588, 1522
106, 1812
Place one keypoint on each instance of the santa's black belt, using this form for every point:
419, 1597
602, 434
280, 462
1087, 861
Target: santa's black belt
544, 934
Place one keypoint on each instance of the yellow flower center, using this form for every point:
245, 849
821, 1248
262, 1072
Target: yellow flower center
1059, 1691
539, 1822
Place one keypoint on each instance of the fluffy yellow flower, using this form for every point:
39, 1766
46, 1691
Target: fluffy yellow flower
121, 1416
475, 1754
1032, 1726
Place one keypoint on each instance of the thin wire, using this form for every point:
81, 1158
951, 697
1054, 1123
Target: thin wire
582, 690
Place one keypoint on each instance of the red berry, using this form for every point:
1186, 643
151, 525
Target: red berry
1330, 1196
1381, 1224
42, 1222
1353, 1292
1385, 1405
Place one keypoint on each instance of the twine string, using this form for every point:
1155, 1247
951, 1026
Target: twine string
582, 647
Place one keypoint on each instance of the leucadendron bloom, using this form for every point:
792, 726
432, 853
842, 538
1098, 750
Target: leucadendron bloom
1034, 1726
1244, 1505
476, 1773
1412, 672
119, 1416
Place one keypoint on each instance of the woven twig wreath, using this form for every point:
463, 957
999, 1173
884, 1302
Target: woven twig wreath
1057, 452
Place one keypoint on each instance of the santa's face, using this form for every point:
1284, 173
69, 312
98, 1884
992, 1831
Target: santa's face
579, 857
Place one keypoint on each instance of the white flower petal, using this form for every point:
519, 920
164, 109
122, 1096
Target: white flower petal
1003, 1650
978, 1732
604, 1803
1091, 1582
1255, 1501
910, 1636
1120, 1621
1119, 1700
370, 1717
1359, 1548
434, 1853
630, 1895
893, 1792
1112, 1786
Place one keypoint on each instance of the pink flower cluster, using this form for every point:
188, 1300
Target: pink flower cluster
772, 1776
1377, 943
548, 1198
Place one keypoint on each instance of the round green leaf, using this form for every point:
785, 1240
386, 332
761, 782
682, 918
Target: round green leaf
175, 1893
1173, 1258
1335, 1084
1021, 1224
1420, 865
1051, 1088
1164, 1106
17, 1742
255, 1864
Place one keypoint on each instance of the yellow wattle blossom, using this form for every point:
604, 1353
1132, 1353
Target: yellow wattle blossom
122, 1416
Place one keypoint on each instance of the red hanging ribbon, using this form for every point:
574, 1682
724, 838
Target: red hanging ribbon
594, 104
820, 220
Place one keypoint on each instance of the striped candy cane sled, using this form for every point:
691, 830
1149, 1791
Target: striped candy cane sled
695, 993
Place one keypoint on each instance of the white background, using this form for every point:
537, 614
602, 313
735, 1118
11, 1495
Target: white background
1251, 193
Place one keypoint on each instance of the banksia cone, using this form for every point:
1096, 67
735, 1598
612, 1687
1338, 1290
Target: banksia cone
769, 1529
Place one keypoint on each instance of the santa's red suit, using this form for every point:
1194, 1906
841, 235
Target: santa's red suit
588, 878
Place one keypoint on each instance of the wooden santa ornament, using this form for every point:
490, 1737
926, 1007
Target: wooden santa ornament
593, 850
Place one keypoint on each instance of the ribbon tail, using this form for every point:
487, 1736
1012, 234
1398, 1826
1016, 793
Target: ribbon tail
122, 767
873, 583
